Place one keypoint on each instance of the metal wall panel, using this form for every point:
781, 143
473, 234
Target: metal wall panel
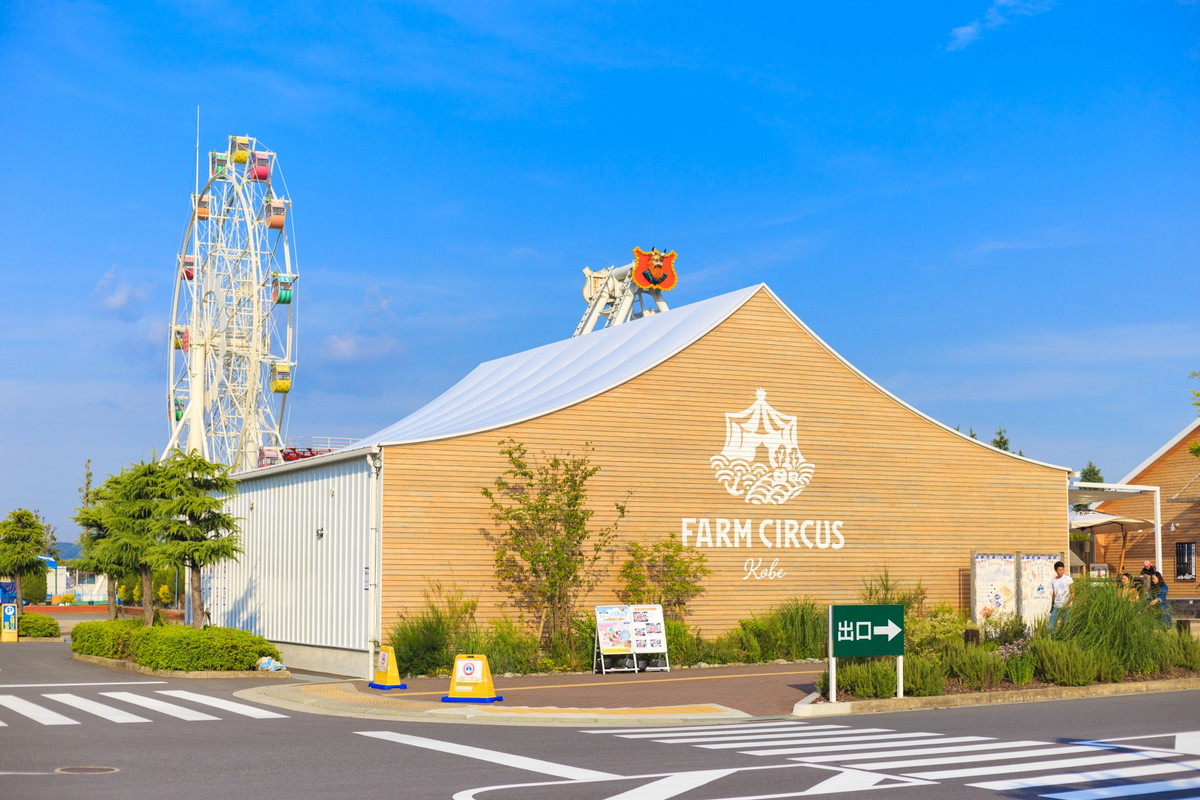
304, 577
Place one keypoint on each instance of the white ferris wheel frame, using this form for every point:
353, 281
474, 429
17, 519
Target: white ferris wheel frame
233, 329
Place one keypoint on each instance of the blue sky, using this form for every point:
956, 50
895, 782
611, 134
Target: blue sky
990, 207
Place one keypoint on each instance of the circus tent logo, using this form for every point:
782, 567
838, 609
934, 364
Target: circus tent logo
738, 467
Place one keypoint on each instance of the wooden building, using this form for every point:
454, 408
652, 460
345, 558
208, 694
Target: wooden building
727, 423
1176, 472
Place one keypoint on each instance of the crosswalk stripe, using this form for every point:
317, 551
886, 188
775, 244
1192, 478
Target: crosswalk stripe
34, 712
825, 730
925, 751
1127, 791
802, 752
742, 726
1067, 763
92, 707
782, 746
972, 758
225, 705
1087, 777
161, 706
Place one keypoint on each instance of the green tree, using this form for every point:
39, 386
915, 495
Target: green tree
23, 537
90, 517
1089, 474
667, 573
546, 555
196, 532
1000, 442
131, 512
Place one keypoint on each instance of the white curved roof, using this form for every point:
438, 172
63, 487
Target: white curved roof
557, 375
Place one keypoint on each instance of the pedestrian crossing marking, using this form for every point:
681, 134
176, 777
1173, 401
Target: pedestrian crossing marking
161, 706
1088, 777
815, 730
225, 705
112, 713
99, 709
922, 751
938, 760
970, 772
34, 712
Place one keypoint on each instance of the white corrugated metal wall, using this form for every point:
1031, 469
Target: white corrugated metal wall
308, 574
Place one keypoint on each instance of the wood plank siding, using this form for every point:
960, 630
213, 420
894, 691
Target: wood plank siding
1172, 472
910, 495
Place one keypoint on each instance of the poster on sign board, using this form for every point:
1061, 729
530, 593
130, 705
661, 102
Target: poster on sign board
614, 629
649, 630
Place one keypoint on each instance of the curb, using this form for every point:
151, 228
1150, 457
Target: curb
129, 666
24, 639
803, 709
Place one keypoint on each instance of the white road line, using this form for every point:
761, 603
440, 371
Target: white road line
673, 785
821, 740
161, 706
224, 705
494, 757
34, 712
841, 748
1127, 791
99, 709
766, 736
746, 726
68, 685
927, 751
972, 758
1088, 777
1066, 763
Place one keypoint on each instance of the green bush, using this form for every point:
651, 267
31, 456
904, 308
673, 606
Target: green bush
977, 667
37, 626
923, 677
1064, 662
1100, 619
802, 626
178, 647
684, 645
882, 590
107, 639
427, 641
1184, 649
1109, 668
927, 634
863, 679
1020, 668
1003, 628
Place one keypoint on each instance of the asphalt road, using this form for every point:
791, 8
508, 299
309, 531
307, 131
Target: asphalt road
182, 739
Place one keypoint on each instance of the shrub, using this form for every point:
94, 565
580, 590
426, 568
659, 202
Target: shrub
1064, 662
107, 639
923, 677
1184, 649
802, 624
179, 647
683, 644
1003, 628
37, 626
427, 641
1102, 620
68, 599
862, 679
975, 666
927, 634
1020, 668
882, 590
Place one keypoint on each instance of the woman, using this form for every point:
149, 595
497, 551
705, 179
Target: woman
1158, 596
1125, 587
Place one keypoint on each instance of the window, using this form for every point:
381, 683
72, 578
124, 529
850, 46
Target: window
1185, 561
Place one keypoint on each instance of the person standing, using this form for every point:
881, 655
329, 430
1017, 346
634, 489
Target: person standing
1062, 588
1158, 597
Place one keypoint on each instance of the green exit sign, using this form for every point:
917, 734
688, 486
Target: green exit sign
866, 631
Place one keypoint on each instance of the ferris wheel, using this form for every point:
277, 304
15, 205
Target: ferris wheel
232, 348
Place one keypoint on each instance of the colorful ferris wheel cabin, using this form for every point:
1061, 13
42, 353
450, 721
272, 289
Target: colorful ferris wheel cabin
275, 213
281, 378
202, 205
187, 266
218, 165
239, 149
281, 289
260, 166
181, 338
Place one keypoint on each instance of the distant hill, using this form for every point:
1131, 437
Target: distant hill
68, 549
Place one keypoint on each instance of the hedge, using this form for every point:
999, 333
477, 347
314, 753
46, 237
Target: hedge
172, 647
37, 626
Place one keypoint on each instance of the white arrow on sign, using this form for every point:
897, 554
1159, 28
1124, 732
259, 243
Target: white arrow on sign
891, 629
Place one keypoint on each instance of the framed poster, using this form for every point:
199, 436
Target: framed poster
649, 630
994, 584
614, 630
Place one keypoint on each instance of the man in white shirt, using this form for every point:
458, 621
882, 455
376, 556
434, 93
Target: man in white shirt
1062, 588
